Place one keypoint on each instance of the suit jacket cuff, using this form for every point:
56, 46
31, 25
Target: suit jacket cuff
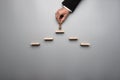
67, 9
71, 4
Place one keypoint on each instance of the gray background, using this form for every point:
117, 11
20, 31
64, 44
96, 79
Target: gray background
26, 21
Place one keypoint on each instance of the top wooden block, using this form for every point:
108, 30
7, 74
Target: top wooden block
59, 31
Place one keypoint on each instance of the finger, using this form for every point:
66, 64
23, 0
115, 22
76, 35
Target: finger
56, 14
60, 18
63, 19
57, 17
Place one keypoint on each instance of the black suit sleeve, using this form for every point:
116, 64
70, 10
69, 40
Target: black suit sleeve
71, 4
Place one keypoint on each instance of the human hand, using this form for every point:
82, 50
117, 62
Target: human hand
61, 15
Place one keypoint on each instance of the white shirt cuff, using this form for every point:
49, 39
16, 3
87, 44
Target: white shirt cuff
67, 8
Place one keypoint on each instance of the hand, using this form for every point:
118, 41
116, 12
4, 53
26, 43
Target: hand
61, 15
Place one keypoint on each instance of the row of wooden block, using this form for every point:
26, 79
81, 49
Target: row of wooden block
86, 44
51, 38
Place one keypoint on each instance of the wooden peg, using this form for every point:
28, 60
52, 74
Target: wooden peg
35, 44
85, 44
60, 26
73, 38
48, 39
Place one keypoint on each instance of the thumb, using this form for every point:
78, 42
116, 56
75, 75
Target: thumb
63, 18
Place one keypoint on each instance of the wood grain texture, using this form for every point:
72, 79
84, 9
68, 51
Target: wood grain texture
48, 39
35, 44
59, 32
85, 44
73, 38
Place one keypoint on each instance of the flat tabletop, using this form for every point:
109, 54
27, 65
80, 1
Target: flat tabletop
26, 21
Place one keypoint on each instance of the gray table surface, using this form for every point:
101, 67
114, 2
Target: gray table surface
25, 21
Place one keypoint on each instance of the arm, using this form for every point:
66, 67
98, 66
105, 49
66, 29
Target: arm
68, 6
71, 4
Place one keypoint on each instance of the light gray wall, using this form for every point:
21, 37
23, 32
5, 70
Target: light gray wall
94, 21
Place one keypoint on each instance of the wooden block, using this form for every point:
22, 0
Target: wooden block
60, 27
59, 31
73, 38
35, 44
48, 39
85, 44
